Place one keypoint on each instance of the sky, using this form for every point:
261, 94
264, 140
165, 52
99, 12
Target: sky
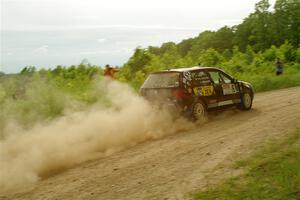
47, 33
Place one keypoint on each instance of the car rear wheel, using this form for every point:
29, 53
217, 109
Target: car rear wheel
246, 101
199, 111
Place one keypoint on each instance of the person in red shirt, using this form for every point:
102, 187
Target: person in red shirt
110, 71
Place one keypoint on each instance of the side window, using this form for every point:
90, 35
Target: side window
225, 78
215, 77
200, 78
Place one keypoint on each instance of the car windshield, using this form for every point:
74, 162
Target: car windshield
162, 80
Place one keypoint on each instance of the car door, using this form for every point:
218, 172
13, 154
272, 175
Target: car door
230, 88
224, 86
203, 86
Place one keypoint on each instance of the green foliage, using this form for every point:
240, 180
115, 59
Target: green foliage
257, 68
139, 79
248, 50
36, 96
210, 57
29, 70
75, 79
270, 82
287, 26
287, 52
298, 55
271, 54
2, 94
139, 59
273, 173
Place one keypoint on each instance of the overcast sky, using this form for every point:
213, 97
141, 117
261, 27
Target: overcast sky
46, 33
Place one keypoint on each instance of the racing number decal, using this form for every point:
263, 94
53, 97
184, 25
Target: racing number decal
207, 90
229, 89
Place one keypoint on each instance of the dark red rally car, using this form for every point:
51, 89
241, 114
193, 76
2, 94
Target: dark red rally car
194, 91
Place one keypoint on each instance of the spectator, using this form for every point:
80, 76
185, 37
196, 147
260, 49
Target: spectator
110, 71
278, 67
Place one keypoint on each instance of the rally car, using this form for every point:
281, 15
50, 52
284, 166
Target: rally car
196, 90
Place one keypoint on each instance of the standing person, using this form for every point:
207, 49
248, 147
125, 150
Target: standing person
278, 67
107, 70
110, 71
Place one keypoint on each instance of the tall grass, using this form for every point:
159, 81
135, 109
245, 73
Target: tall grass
271, 82
267, 80
26, 100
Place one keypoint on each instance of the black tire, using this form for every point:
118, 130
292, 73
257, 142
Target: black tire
246, 103
199, 111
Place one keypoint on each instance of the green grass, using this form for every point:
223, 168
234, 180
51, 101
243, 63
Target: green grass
272, 173
263, 80
266, 83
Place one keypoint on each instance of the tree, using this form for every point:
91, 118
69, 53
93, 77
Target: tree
249, 55
210, 58
28, 70
86, 62
185, 46
223, 39
286, 16
287, 52
139, 60
262, 6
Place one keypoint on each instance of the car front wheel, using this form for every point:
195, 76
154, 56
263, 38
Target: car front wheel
246, 101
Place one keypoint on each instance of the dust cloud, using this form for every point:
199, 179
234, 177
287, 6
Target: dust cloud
26, 156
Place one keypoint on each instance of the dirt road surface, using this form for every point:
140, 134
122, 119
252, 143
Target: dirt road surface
171, 167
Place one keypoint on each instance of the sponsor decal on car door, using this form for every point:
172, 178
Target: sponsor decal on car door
229, 88
201, 84
206, 90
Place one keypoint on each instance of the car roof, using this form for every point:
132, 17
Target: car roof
185, 69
